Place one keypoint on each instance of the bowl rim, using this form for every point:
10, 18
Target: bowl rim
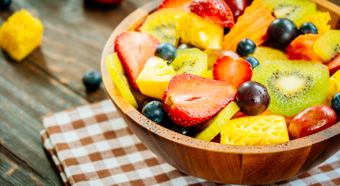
130, 23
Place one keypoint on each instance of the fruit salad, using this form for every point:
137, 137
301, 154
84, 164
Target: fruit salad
227, 72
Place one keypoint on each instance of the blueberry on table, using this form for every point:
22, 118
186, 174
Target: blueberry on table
281, 32
166, 51
245, 47
92, 80
335, 103
4, 4
252, 98
308, 28
154, 110
252, 61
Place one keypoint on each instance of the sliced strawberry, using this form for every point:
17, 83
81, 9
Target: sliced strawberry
334, 65
216, 11
134, 49
175, 4
192, 99
165, 95
232, 71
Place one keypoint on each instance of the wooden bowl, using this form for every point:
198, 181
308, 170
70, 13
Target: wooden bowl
218, 162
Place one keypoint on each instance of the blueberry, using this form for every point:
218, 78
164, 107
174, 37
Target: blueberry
335, 103
252, 61
226, 30
185, 46
154, 110
4, 4
245, 47
169, 124
280, 33
308, 28
166, 51
92, 80
144, 102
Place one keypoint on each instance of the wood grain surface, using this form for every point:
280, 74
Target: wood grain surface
49, 80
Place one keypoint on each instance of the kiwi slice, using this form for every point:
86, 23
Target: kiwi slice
162, 25
190, 61
292, 85
328, 45
297, 11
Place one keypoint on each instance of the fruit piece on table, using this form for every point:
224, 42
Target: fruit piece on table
199, 32
214, 54
184, 4
4, 4
333, 88
92, 80
237, 7
302, 48
327, 46
232, 71
154, 111
190, 61
292, 85
245, 47
281, 32
336, 103
252, 25
308, 28
217, 123
118, 76
334, 65
166, 51
134, 49
263, 54
216, 11
21, 34
252, 61
255, 130
192, 99
252, 98
320, 20
312, 120
162, 25
297, 11
155, 77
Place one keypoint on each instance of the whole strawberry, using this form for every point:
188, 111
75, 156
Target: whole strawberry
191, 99
216, 11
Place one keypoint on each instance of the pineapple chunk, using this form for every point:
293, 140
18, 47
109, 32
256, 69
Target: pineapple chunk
21, 34
197, 31
155, 77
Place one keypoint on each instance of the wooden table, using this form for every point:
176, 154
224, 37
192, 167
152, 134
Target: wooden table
49, 80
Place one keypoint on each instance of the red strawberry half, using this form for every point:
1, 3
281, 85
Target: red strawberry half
334, 65
232, 71
134, 49
175, 4
216, 11
192, 99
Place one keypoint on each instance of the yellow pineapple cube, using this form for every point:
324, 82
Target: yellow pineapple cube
21, 34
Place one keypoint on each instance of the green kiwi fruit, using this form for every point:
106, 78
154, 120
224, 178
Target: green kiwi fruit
292, 85
328, 45
297, 11
162, 25
190, 61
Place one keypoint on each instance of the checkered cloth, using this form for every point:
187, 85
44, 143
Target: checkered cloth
91, 145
